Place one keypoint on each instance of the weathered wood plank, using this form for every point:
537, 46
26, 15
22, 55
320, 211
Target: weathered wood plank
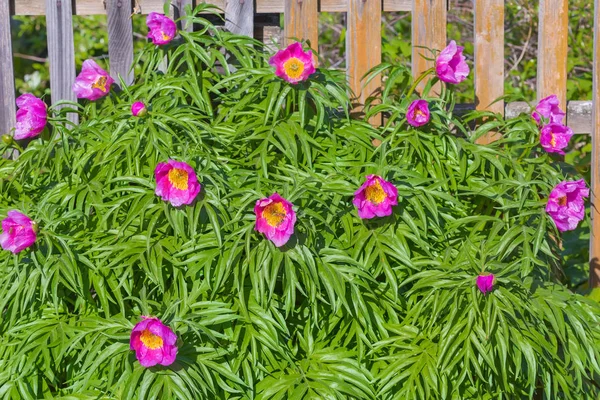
363, 49
428, 32
489, 59
92, 7
61, 52
301, 21
7, 78
120, 40
553, 33
239, 17
594, 280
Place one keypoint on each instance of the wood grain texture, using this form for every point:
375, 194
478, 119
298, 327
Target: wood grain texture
428, 32
489, 59
553, 33
239, 17
594, 280
61, 53
92, 7
364, 23
120, 39
301, 22
7, 79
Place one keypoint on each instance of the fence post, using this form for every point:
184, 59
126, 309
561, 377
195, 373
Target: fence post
363, 50
61, 51
7, 78
428, 32
489, 59
120, 40
594, 281
239, 17
552, 50
301, 21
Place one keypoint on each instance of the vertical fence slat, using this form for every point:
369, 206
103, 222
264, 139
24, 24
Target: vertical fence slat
239, 17
363, 49
7, 79
489, 58
179, 6
301, 21
595, 192
428, 32
61, 51
120, 40
552, 50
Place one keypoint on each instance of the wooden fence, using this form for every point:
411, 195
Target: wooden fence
363, 51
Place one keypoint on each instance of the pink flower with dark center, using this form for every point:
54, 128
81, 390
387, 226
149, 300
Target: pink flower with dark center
153, 343
275, 218
32, 116
418, 113
138, 109
565, 204
176, 182
161, 29
375, 198
549, 109
485, 283
92, 82
18, 232
293, 64
555, 137
450, 65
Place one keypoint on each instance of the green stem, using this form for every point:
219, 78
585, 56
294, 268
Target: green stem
419, 79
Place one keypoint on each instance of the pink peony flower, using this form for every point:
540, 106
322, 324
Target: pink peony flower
375, 197
153, 342
275, 218
418, 113
138, 109
18, 232
548, 108
565, 204
485, 283
92, 82
450, 66
555, 137
176, 182
32, 116
293, 64
161, 29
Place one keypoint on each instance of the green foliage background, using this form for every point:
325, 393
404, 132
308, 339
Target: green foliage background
348, 309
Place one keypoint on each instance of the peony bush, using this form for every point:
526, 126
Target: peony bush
222, 229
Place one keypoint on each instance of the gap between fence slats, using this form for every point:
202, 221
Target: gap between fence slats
594, 280
489, 59
93, 7
239, 17
364, 24
61, 52
120, 40
301, 22
553, 33
7, 79
428, 32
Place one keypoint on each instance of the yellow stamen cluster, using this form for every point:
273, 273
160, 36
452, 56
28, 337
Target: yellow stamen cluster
293, 68
562, 201
100, 84
375, 193
151, 340
165, 37
178, 178
274, 213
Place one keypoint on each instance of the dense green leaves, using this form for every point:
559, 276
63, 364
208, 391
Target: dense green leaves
384, 308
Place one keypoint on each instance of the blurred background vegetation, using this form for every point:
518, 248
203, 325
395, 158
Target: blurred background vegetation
521, 22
